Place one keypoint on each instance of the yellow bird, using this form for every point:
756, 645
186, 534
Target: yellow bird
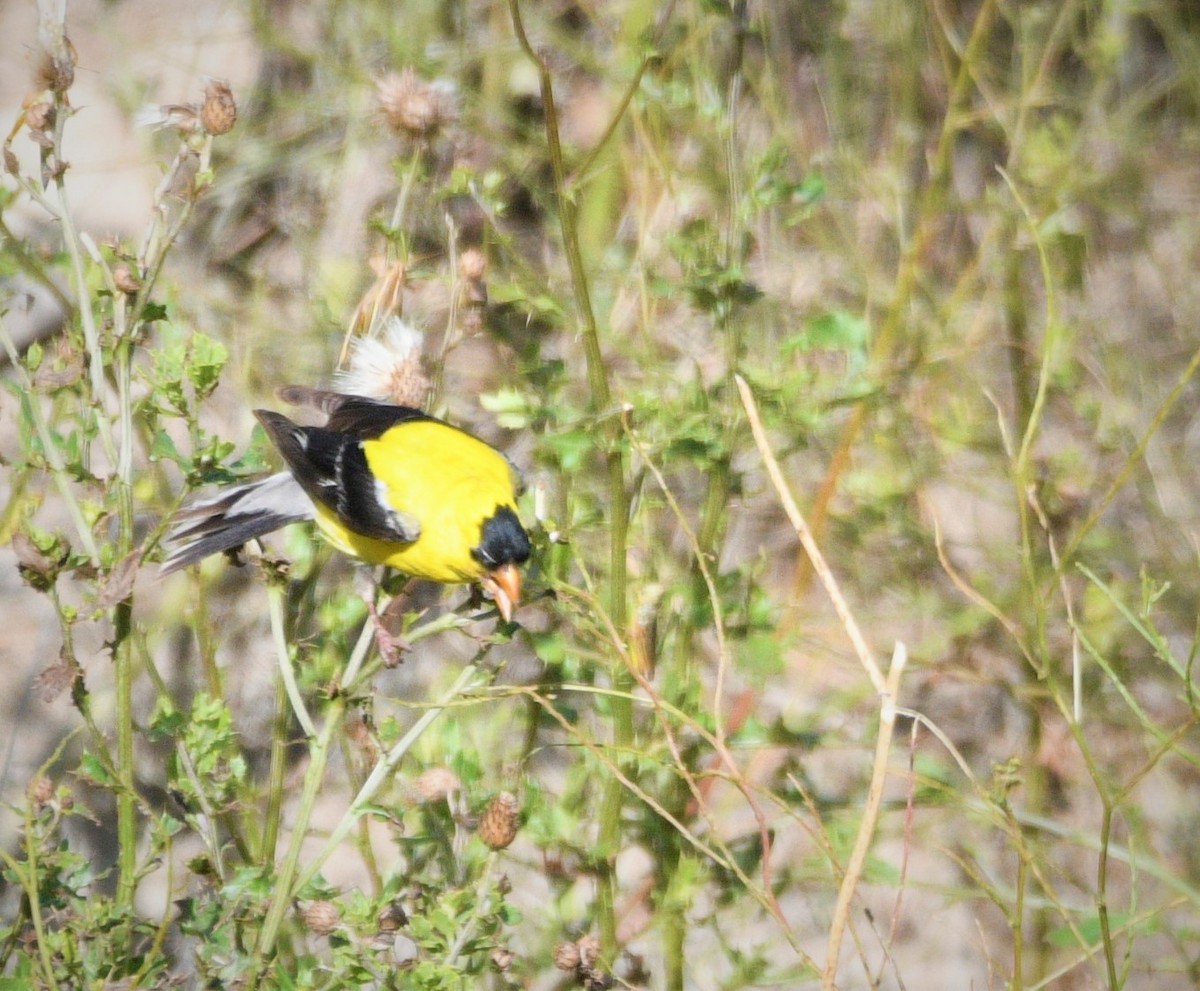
387, 484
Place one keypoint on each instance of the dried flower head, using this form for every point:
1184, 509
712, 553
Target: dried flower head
321, 917
391, 917
38, 114
218, 113
40, 791
472, 269
566, 956
437, 783
498, 825
589, 951
387, 367
125, 280
414, 108
472, 264
56, 69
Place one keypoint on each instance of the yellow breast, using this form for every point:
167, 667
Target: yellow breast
450, 481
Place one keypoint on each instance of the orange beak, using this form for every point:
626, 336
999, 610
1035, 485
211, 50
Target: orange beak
504, 586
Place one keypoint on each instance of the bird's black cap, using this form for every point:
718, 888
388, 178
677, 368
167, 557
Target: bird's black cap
504, 540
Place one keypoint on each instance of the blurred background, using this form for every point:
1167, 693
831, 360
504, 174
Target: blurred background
952, 249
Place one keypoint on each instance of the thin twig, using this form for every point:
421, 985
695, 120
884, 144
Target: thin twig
865, 657
382, 772
284, 659
870, 816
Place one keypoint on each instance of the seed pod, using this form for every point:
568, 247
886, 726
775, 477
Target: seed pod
40, 791
589, 951
413, 107
219, 112
498, 825
566, 956
321, 917
436, 784
125, 280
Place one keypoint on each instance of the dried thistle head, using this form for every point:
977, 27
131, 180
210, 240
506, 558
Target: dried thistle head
56, 69
321, 917
414, 108
589, 951
39, 113
566, 956
437, 783
500, 820
125, 280
388, 367
218, 113
40, 791
215, 115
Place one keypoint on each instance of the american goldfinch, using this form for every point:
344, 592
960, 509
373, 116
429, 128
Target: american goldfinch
388, 484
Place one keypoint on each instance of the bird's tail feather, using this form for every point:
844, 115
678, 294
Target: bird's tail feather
234, 516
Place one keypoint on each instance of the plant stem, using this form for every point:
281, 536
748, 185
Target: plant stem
275, 780
1110, 957
126, 795
382, 772
283, 658
285, 887
613, 796
28, 879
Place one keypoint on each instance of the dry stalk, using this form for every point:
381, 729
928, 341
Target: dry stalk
870, 816
888, 689
865, 657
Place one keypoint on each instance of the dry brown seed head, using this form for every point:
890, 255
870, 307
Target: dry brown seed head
498, 825
321, 917
219, 112
435, 784
413, 107
472, 264
589, 951
39, 114
125, 280
56, 71
566, 956
391, 917
40, 791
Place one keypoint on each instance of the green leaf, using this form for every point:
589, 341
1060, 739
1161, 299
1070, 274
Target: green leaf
163, 448
838, 330
510, 406
571, 447
91, 768
153, 312
208, 358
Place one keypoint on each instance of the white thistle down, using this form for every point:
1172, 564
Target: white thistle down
387, 367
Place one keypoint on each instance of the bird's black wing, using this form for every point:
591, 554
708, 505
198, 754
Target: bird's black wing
331, 466
357, 416
367, 419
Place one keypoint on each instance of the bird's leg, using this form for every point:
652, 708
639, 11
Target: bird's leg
392, 648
